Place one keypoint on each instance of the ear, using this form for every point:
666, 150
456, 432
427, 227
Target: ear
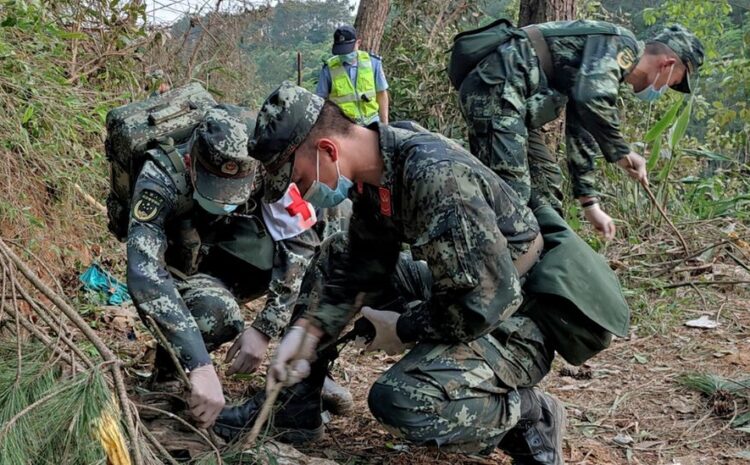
668, 62
329, 147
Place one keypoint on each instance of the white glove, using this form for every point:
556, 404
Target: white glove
600, 221
386, 338
291, 362
635, 166
206, 398
249, 348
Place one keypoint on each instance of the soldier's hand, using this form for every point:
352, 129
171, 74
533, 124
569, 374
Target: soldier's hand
291, 362
386, 337
247, 351
635, 166
206, 398
600, 221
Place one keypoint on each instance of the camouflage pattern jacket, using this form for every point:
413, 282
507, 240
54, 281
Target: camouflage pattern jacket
588, 71
457, 215
157, 239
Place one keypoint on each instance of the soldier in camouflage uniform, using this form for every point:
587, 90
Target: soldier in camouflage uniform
468, 381
507, 97
198, 248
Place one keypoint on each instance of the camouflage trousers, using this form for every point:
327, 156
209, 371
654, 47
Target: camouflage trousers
496, 115
461, 396
214, 308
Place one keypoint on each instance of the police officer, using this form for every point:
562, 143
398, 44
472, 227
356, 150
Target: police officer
577, 66
468, 382
200, 244
354, 79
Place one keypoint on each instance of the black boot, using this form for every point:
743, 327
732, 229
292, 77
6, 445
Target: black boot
537, 439
296, 418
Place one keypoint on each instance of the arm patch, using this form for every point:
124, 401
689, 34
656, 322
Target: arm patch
147, 206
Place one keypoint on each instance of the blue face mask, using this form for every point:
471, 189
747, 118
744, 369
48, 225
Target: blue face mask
322, 196
349, 57
650, 93
213, 207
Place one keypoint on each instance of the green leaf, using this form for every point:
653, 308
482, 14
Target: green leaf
70, 35
655, 152
681, 125
28, 114
707, 154
664, 122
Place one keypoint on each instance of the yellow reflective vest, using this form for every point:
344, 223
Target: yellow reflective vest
356, 101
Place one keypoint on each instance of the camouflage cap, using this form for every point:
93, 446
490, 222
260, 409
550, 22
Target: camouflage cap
224, 172
687, 46
284, 121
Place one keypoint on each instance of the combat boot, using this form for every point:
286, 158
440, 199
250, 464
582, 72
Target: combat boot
295, 420
537, 439
336, 398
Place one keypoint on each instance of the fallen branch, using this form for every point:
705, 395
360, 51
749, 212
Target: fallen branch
90, 334
92, 201
187, 425
700, 283
664, 215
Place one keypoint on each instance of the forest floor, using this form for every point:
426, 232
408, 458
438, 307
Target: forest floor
627, 404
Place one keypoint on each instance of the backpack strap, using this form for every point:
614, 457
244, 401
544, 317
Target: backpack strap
167, 145
541, 48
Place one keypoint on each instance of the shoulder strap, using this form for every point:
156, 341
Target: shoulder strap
168, 147
542, 50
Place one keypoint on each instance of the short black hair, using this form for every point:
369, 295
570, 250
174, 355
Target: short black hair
331, 120
659, 48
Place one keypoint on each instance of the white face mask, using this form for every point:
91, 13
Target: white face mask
651, 93
213, 207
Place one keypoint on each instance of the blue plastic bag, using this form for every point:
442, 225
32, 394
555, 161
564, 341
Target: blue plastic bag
98, 280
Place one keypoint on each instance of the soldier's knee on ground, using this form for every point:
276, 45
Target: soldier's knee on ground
214, 309
386, 405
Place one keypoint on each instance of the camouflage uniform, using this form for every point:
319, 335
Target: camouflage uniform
181, 276
458, 386
507, 96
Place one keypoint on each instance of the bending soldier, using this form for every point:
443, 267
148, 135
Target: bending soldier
577, 66
200, 244
479, 347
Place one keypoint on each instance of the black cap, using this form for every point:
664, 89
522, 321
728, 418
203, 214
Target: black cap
343, 40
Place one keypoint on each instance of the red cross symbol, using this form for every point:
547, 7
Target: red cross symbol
298, 205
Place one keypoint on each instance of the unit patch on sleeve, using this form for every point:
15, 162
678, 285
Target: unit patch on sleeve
625, 59
148, 206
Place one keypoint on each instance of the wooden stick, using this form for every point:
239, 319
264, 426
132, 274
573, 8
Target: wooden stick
165, 344
91, 335
265, 410
92, 201
664, 215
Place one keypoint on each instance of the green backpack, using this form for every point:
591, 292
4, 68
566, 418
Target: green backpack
470, 47
149, 129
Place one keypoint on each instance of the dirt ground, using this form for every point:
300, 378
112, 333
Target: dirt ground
624, 406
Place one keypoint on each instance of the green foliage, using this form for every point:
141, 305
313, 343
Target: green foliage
415, 59
56, 81
47, 416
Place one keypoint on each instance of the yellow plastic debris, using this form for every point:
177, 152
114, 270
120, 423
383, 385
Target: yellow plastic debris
113, 442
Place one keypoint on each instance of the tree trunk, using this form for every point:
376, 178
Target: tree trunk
370, 23
542, 11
